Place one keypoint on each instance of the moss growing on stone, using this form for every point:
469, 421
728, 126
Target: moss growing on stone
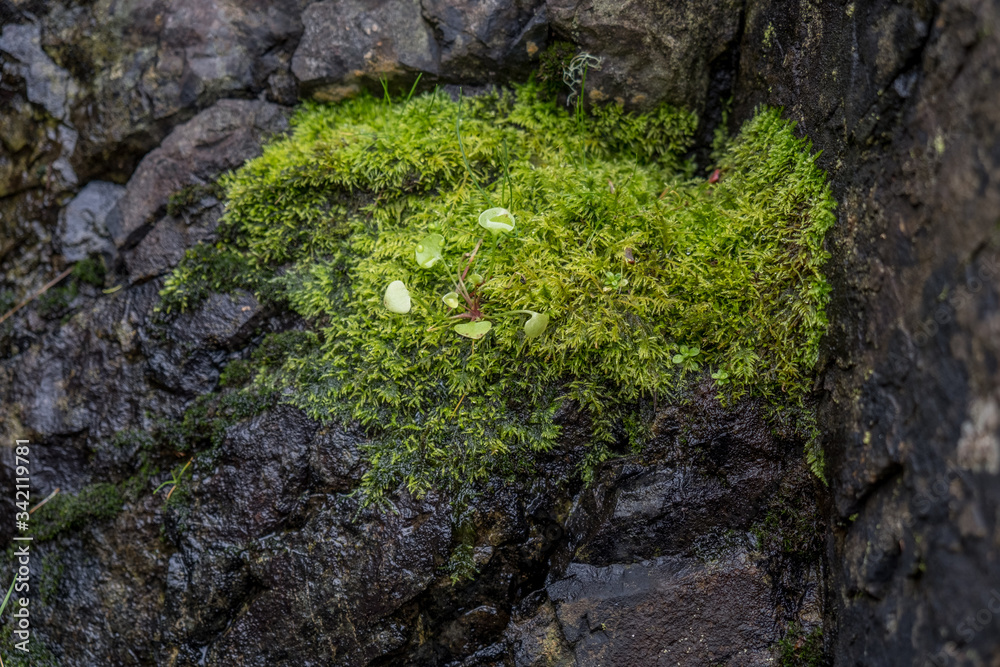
648, 277
66, 511
801, 649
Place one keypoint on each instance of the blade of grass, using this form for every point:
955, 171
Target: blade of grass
413, 88
7, 597
461, 147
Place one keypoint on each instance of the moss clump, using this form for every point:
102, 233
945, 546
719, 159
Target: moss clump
799, 649
647, 275
67, 511
190, 195
90, 271
38, 654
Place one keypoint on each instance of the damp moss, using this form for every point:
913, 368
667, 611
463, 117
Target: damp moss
649, 276
801, 649
37, 655
68, 511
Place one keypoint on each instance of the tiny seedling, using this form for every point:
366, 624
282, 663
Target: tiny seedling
721, 377
686, 358
175, 479
428, 250
497, 220
613, 281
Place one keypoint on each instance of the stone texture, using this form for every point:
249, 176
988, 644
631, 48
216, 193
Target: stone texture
196, 153
82, 228
47, 84
667, 611
650, 52
347, 44
902, 99
350, 46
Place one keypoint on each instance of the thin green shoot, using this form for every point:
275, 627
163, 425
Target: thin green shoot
7, 597
461, 147
413, 88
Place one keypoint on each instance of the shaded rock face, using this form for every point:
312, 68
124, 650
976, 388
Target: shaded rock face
902, 99
680, 555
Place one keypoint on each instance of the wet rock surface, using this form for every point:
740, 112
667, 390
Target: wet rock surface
704, 547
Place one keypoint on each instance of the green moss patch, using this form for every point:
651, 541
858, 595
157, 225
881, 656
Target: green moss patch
647, 277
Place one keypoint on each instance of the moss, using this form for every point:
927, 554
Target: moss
799, 649
90, 271
206, 269
461, 565
552, 63
190, 195
38, 654
724, 276
792, 526
66, 511
51, 576
56, 302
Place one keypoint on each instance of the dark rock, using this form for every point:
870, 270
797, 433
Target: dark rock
48, 85
195, 153
478, 40
82, 228
348, 44
667, 611
902, 99
650, 52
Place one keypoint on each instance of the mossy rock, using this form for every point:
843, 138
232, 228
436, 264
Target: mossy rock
649, 277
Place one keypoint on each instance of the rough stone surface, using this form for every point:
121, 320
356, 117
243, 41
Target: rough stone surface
47, 84
350, 46
650, 52
902, 98
82, 227
194, 154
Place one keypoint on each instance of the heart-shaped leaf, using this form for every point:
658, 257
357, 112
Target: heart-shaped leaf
474, 330
678, 359
428, 250
497, 220
397, 297
536, 325
475, 279
451, 299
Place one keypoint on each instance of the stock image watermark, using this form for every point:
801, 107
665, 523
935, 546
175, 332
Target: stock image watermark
21, 586
987, 269
983, 620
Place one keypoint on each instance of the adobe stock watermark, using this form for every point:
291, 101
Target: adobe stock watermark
988, 267
970, 626
22, 549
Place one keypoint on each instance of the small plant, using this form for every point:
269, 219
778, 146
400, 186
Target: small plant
799, 649
613, 281
90, 271
175, 480
575, 76
721, 377
428, 252
686, 358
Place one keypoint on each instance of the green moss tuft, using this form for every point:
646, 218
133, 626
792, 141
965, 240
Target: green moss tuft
68, 511
636, 264
799, 649
90, 271
191, 195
